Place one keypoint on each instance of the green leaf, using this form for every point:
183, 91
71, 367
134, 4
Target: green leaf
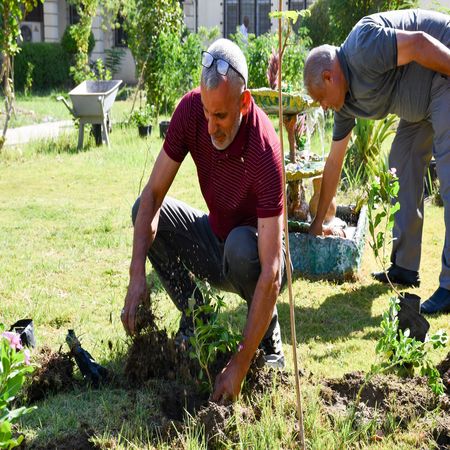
5, 432
16, 413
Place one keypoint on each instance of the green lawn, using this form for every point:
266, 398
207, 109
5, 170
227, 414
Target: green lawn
65, 248
37, 109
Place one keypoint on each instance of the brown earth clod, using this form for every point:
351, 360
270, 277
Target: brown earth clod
54, 374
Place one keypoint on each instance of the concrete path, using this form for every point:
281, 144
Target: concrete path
22, 135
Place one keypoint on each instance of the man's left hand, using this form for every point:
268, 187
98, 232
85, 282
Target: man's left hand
228, 382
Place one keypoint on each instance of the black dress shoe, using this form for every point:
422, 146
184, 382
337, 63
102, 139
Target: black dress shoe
439, 302
398, 275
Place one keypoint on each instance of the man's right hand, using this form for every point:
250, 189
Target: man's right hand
136, 295
316, 228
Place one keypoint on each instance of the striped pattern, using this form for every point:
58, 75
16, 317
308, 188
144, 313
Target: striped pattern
239, 184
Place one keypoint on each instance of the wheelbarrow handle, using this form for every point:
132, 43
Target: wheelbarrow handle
62, 99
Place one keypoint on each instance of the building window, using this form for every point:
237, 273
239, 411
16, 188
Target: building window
297, 5
74, 17
36, 14
120, 36
257, 12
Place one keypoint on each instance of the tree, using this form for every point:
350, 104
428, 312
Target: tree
12, 13
152, 28
332, 20
81, 32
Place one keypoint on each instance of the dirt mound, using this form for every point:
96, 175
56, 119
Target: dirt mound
154, 355
53, 374
444, 370
214, 419
402, 398
261, 378
178, 398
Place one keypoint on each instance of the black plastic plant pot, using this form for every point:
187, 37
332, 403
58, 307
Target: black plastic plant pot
25, 328
163, 127
145, 130
409, 317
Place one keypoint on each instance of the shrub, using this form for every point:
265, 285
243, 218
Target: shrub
189, 62
69, 43
294, 59
331, 21
258, 50
319, 23
51, 66
142, 116
154, 31
364, 156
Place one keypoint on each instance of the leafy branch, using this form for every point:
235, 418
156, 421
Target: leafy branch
382, 207
403, 353
290, 18
210, 336
396, 349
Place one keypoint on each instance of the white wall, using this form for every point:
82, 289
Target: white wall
432, 4
51, 21
210, 14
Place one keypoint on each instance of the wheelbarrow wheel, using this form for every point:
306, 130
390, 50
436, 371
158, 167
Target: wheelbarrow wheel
97, 133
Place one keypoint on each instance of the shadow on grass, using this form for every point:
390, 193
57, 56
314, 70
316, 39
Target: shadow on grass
337, 316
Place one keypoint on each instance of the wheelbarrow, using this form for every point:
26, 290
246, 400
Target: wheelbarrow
91, 102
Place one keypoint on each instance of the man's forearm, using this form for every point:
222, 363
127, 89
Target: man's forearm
144, 233
331, 176
260, 314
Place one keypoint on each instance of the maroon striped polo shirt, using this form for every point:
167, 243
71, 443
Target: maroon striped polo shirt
241, 183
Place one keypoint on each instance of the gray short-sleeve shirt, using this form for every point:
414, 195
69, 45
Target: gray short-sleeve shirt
377, 86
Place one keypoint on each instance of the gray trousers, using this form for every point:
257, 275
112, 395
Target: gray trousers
185, 247
410, 154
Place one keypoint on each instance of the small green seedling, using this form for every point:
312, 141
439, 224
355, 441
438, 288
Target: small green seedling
397, 350
210, 336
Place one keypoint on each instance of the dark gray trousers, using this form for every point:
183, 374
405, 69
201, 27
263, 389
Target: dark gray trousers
410, 154
186, 248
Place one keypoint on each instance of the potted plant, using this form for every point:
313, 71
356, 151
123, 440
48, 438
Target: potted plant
142, 117
163, 127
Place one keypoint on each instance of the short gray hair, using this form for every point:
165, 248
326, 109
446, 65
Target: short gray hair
319, 59
230, 52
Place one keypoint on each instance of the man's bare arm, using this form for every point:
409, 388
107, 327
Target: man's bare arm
423, 49
330, 181
145, 228
228, 384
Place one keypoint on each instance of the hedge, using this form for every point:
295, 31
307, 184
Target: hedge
51, 66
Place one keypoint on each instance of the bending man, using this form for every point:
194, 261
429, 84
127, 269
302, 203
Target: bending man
393, 62
238, 246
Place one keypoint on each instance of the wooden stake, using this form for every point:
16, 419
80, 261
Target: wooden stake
286, 234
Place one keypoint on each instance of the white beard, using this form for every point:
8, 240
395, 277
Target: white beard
225, 144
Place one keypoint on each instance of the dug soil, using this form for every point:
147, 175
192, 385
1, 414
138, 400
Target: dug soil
155, 355
389, 397
54, 373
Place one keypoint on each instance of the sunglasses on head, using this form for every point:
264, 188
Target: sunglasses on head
222, 66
